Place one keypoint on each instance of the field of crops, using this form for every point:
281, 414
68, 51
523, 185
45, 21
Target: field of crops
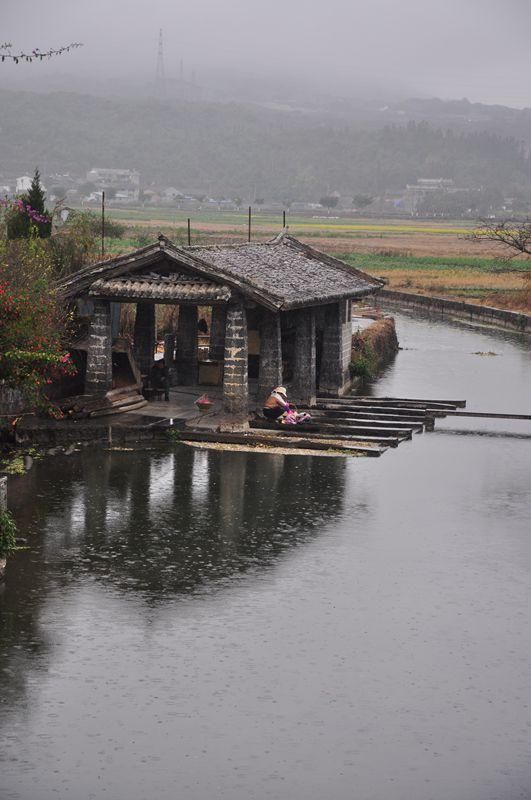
428, 257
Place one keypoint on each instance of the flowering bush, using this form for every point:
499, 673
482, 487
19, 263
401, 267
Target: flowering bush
31, 355
20, 206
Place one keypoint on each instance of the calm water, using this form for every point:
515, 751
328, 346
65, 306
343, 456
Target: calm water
210, 625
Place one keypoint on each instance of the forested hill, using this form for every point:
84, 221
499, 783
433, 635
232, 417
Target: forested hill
238, 150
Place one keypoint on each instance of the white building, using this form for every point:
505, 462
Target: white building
23, 184
126, 182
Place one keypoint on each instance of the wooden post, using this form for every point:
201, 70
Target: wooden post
284, 218
3, 507
249, 230
3, 494
103, 225
189, 233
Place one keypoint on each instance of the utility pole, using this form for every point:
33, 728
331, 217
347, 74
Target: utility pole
103, 225
160, 74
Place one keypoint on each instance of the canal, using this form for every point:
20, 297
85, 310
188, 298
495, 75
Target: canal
238, 626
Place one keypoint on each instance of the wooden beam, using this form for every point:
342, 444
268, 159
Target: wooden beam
398, 401
357, 431
369, 413
385, 441
301, 443
485, 415
377, 423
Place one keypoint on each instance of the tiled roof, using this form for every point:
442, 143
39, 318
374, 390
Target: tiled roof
288, 271
281, 274
161, 288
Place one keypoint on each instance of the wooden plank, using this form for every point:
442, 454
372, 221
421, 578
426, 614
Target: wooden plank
105, 412
275, 441
387, 441
380, 411
397, 401
354, 423
486, 415
355, 415
364, 418
358, 431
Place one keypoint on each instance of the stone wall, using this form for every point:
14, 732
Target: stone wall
456, 308
12, 401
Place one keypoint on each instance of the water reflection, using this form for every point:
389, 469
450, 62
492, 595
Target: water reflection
157, 523
174, 520
229, 625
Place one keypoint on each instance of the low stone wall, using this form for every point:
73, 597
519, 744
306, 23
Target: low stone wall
12, 401
457, 308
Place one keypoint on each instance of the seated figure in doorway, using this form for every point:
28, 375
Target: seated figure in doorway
202, 325
158, 378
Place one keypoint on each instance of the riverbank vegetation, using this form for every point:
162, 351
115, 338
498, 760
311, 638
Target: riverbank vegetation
33, 325
373, 348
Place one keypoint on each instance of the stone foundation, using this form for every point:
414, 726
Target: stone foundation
98, 378
235, 377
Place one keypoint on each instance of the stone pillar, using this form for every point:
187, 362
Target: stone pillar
187, 346
302, 388
331, 376
169, 358
144, 336
235, 377
217, 333
270, 374
98, 378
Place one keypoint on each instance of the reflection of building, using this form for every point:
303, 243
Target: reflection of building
280, 313
124, 182
174, 520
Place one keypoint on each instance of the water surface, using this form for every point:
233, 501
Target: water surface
229, 625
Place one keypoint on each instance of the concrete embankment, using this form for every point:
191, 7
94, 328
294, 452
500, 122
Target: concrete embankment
470, 312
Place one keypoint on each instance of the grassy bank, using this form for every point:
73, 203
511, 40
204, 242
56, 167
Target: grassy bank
482, 280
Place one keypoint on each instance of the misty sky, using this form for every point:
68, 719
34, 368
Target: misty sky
451, 48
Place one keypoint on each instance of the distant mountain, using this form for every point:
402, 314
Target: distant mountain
258, 150
463, 115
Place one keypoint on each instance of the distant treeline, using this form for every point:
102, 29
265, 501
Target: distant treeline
236, 150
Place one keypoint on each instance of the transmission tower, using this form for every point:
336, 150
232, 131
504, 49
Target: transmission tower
160, 75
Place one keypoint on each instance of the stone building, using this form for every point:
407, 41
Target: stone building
280, 314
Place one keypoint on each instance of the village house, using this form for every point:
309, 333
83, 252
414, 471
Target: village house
280, 313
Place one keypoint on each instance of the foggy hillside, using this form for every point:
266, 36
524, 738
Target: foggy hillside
237, 149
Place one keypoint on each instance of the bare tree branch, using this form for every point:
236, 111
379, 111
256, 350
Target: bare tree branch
511, 233
35, 55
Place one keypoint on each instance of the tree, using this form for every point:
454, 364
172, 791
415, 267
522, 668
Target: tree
362, 200
515, 234
28, 216
329, 201
34, 55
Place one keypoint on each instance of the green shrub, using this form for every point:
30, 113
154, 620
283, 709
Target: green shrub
8, 534
364, 360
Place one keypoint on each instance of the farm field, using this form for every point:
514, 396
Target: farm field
428, 257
